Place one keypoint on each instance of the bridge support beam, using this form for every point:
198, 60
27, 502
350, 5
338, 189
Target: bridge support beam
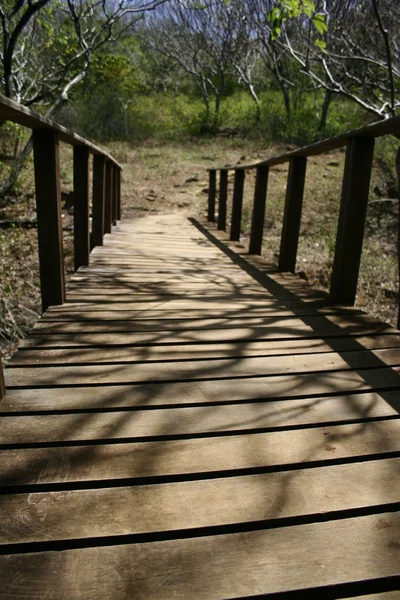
118, 172
292, 215
353, 212
223, 197
2, 383
237, 204
258, 215
108, 198
114, 195
48, 207
81, 207
212, 187
99, 176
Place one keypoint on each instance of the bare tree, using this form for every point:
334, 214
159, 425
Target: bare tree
213, 44
46, 48
361, 59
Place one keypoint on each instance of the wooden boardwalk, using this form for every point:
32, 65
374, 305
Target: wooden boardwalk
189, 426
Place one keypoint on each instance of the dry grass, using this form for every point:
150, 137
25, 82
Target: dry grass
165, 178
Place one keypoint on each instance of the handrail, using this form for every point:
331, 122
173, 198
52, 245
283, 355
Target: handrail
106, 198
353, 207
379, 129
12, 111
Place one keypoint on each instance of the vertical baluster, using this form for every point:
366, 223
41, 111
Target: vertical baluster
223, 197
48, 206
118, 194
353, 212
2, 383
114, 194
212, 187
81, 207
108, 198
99, 184
292, 215
99, 176
237, 204
258, 215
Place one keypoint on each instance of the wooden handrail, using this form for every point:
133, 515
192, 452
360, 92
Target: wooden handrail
12, 111
106, 198
353, 208
375, 130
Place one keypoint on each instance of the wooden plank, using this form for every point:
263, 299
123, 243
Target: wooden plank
258, 214
353, 212
212, 184
99, 174
194, 370
176, 506
48, 208
292, 214
268, 327
237, 204
114, 353
215, 566
81, 207
109, 313
214, 391
196, 458
381, 596
194, 420
222, 199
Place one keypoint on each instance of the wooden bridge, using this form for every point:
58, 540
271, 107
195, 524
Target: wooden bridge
187, 422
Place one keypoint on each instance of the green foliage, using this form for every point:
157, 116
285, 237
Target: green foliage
285, 10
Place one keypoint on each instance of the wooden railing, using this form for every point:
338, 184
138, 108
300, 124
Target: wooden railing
106, 198
353, 207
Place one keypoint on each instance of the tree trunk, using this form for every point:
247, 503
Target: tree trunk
325, 109
16, 170
256, 101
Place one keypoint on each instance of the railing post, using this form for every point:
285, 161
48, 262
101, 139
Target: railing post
223, 196
118, 172
2, 383
258, 216
81, 207
99, 174
292, 215
108, 198
48, 206
353, 212
237, 204
114, 194
212, 187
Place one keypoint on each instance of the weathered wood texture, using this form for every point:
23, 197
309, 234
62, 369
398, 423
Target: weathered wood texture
212, 190
81, 207
292, 214
222, 199
188, 426
258, 214
108, 198
99, 176
48, 208
353, 212
237, 204
2, 383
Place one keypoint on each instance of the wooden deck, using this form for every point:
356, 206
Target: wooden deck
190, 426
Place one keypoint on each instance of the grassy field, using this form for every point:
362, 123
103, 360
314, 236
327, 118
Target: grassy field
171, 177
